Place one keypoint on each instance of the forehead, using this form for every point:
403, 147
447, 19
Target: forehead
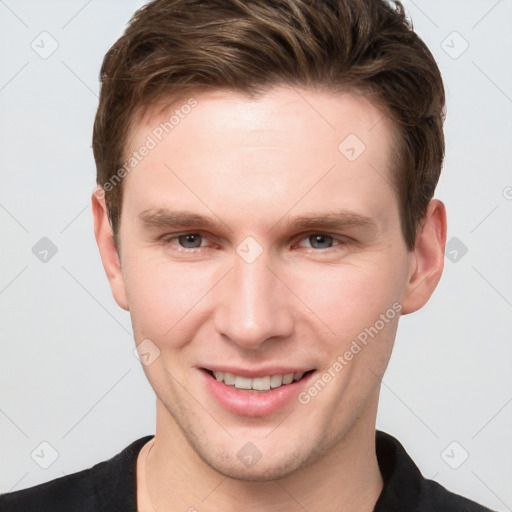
254, 151
281, 115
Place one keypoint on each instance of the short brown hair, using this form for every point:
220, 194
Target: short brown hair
172, 47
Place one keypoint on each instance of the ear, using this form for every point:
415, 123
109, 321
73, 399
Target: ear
105, 240
427, 258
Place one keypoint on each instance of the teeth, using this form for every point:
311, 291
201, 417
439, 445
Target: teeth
243, 383
288, 378
258, 383
229, 378
276, 381
261, 383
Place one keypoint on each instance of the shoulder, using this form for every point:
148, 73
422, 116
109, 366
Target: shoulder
108, 485
405, 488
76, 491
436, 497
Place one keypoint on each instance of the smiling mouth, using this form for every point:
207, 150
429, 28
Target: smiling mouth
261, 384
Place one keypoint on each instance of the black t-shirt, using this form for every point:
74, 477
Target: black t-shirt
110, 486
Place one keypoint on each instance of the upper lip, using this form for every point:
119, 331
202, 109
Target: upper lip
252, 373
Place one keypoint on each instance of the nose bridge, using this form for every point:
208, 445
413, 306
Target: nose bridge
253, 306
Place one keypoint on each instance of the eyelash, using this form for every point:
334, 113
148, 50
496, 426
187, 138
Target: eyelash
341, 241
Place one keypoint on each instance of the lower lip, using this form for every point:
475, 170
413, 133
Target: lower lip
250, 403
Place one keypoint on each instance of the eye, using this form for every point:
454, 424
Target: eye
190, 240
322, 240
186, 240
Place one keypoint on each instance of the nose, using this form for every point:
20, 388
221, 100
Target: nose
254, 306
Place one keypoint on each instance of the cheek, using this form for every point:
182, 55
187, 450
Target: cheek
351, 297
162, 297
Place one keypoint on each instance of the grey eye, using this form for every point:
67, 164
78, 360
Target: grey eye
317, 241
190, 240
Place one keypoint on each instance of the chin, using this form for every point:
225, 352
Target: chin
251, 465
261, 471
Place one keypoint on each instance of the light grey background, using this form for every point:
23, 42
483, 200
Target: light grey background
68, 376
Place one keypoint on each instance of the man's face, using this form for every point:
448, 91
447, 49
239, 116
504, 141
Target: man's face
256, 294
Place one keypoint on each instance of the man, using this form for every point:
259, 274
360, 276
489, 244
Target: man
265, 213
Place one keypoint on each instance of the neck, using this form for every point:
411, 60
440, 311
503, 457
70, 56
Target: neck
174, 478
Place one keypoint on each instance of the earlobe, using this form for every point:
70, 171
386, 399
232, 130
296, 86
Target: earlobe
427, 260
108, 251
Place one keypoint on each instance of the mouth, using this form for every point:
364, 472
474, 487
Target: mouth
257, 384
255, 393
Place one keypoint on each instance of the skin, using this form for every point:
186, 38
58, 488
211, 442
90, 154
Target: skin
254, 165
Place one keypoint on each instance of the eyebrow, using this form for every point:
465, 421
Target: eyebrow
177, 219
